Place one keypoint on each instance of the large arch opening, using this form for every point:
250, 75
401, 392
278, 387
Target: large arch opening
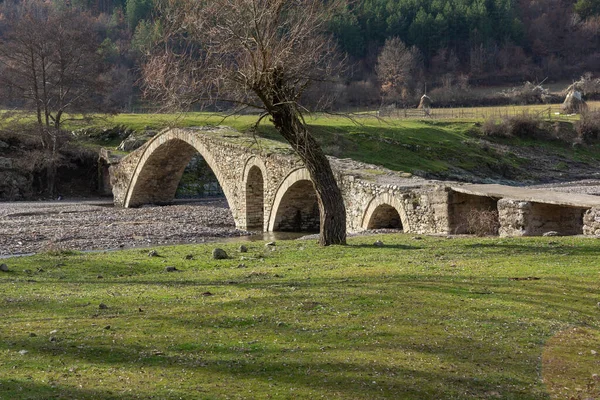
298, 209
385, 217
255, 199
158, 178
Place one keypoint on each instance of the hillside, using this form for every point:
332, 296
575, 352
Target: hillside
429, 148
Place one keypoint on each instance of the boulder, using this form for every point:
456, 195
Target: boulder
219, 254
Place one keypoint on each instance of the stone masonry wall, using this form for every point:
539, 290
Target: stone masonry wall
591, 222
422, 209
524, 218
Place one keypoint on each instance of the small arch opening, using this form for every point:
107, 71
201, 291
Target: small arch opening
255, 199
385, 217
299, 209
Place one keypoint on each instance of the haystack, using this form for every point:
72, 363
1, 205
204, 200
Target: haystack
425, 104
574, 103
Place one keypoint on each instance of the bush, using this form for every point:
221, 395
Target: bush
483, 222
588, 126
521, 126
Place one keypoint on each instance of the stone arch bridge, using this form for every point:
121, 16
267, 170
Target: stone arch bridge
268, 189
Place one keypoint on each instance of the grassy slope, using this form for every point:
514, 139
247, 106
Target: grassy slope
429, 148
416, 319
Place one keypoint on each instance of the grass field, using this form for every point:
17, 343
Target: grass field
420, 318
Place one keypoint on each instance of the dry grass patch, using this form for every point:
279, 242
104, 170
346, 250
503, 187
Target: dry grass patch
571, 364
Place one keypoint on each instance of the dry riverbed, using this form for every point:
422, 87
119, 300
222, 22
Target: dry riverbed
30, 227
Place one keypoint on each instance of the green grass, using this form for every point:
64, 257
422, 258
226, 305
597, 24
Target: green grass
417, 319
433, 148
440, 148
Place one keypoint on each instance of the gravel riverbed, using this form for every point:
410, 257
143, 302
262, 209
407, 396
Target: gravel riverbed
31, 227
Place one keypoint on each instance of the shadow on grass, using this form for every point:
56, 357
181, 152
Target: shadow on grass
322, 372
15, 389
385, 247
593, 248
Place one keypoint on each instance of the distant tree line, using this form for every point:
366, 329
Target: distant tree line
450, 44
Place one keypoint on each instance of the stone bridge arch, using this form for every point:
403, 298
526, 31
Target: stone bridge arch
255, 181
385, 211
295, 206
161, 165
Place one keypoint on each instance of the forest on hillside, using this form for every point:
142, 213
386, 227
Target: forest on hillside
394, 48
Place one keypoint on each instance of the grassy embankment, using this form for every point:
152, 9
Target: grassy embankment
434, 318
446, 147
438, 148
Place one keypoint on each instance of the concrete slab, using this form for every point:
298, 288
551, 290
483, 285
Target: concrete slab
531, 195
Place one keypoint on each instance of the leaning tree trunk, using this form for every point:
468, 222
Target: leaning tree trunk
331, 202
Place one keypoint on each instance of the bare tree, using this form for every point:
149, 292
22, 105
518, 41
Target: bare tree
257, 53
49, 65
398, 68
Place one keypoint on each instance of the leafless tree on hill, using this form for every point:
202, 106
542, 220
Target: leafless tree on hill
49, 65
263, 54
398, 69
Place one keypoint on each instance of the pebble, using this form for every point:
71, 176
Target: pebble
219, 254
243, 249
23, 352
3, 267
378, 243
